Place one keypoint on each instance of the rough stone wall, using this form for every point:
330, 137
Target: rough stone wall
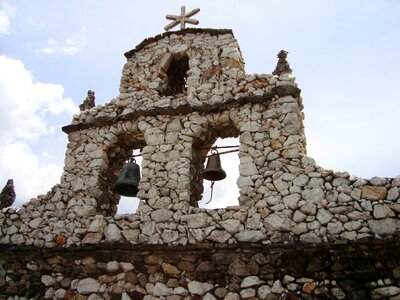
284, 196
244, 271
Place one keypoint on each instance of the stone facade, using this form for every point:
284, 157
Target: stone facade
179, 92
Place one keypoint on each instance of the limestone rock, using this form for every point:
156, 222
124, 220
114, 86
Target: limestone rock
393, 193
231, 225
218, 236
383, 292
247, 293
85, 211
383, 211
314, 194
161, 215
48, 280
160, 289
97, 225
324, 216
263, 291
35, 223
88, 286
377, 181
383, 226
92, 238
197, 221
112, 233
250, 281
199, 288
250, 236
170, 269
310, 237
278, 222
370, 192
232, 296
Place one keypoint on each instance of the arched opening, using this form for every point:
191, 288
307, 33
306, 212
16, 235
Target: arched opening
225, 192
177, 76
111, 202
129, 205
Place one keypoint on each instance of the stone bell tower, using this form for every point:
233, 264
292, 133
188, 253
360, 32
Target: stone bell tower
299, 232
179, 92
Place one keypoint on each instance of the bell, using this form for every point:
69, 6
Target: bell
128, 181
213, 170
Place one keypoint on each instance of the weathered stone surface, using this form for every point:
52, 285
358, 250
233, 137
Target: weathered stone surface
383, 227
112, 233
88, 286
324, 216
199, 288
85, 211
48, 280
263, 291
160, 289
314, 194
384, 292
309, 287
393, 193
250, 281
278, 222
249, 236
92, 238
373, 192
377, 181
247, 293
310, 237
382, 211
161, 215
35, 223
232, 226
197, 221
218, 236
170, 269
232, 296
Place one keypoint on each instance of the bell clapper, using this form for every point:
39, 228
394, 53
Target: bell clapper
212, 189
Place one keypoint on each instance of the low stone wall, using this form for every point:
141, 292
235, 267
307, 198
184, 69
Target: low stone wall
367, 269
328, 206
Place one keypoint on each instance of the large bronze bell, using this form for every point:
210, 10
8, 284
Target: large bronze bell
128, 180
213, 170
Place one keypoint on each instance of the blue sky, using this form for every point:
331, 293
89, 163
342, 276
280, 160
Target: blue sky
344, 54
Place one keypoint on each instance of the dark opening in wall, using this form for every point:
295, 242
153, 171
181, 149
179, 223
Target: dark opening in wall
176, 76
128, 205
226, 191
118, 155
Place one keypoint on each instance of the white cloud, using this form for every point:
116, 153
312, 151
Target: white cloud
6, 13
70, 46
25, 105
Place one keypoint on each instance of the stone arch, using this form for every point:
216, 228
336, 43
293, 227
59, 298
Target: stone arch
117, 154
219, 125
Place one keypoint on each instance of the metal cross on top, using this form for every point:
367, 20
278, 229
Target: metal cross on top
182, 19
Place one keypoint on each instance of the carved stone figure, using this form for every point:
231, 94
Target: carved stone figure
88, 103
282, 66
7, 195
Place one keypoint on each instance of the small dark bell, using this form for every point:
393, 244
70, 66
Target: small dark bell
213, 170
128, 180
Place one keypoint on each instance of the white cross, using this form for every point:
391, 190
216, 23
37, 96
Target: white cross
182, 19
